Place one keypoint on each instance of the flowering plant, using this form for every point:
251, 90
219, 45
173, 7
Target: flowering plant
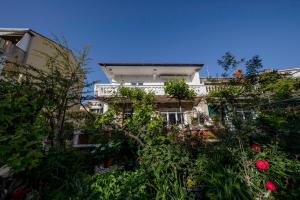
261, 164
270, 186
255, 147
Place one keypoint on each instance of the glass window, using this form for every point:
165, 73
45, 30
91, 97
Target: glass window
172, 118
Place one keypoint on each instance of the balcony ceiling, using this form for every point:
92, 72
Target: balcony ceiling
149, 69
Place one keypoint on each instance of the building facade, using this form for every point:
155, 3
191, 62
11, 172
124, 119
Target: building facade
94, 106
23, 46
151, 78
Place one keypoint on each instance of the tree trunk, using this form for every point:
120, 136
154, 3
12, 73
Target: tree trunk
180, 110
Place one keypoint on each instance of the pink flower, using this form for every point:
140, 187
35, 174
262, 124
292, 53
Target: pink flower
270, 186
261, 164
255, 147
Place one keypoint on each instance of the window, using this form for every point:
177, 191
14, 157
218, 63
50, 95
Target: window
172, 118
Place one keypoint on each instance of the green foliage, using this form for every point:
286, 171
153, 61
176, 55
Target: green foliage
61, 174
283, 88
136, 95
253, 65
159, 167
281, 127
168, 154
179, 90
106, 119
60, 81
228, 62
166, 162
118, 185
81, 119
141, 123
272, 101
157, 176
22, 126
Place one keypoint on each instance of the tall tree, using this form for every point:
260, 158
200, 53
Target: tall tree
253, 65
228, 62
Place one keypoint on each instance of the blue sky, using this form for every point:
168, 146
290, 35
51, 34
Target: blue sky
186, 31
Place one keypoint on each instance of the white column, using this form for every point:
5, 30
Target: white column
105, 107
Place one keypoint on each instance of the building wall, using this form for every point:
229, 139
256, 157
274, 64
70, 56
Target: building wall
38, 50
154, 80
38, 46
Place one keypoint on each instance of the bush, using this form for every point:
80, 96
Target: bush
60, 175
22, 126
118, 185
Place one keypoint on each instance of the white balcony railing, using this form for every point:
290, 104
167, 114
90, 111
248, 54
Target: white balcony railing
109, 89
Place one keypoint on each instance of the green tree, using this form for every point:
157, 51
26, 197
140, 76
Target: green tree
22, 125
138, 118
228, 62
35, 106
61, 81
269, 103
179, 90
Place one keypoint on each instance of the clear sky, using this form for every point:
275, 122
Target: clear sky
186, 31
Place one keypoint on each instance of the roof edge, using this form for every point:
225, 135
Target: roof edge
152, 64
33, 32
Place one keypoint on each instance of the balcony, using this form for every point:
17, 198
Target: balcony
105, 90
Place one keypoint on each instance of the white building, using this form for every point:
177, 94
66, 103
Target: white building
290, 72
151, 77
94, 106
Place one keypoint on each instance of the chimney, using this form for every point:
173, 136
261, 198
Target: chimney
238, 73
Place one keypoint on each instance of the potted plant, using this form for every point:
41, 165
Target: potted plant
193, 188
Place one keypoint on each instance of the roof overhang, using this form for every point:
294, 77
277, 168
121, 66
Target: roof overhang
160, 69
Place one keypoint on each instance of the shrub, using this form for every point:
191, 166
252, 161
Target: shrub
118, 185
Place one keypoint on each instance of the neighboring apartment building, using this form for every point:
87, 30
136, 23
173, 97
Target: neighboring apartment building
290, 72
151, 77
94, 106
293, 72
24, 46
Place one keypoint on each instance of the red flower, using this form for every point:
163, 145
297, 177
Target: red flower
179, 138
255, 147
261, 164
270, 186
202, 133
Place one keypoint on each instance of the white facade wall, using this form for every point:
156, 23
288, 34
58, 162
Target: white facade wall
154, 79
